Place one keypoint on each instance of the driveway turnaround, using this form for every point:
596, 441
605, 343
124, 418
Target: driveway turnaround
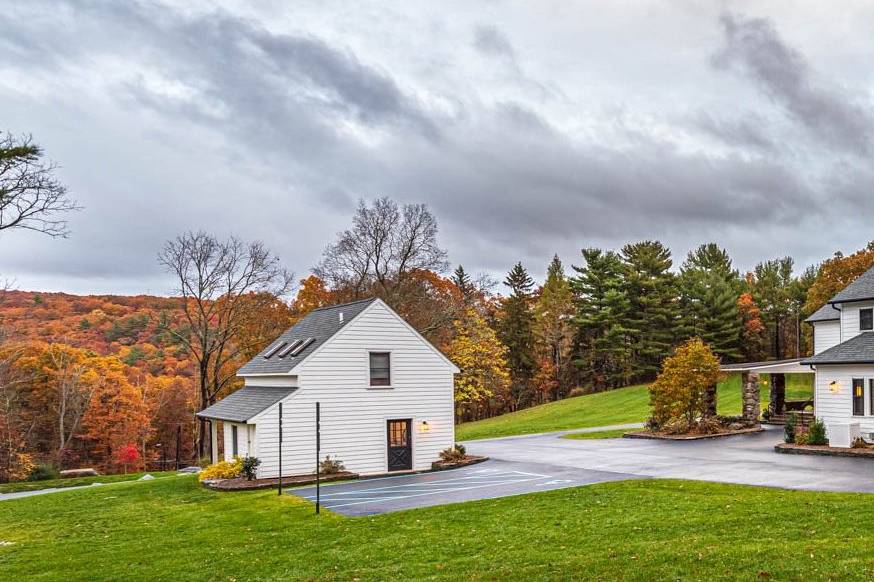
744, 459
483, 481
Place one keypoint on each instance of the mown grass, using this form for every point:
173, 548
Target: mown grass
76, 481
621, 406
172, 529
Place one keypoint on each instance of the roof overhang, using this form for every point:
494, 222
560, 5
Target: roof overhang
773, 367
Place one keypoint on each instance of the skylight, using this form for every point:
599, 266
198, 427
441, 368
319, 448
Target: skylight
302, 346
290, 347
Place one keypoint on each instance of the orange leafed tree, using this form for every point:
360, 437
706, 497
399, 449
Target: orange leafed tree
312, 294
835, 274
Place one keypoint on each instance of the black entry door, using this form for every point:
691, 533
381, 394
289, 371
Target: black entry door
400, 445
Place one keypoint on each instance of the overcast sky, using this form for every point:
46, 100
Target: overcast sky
529, 128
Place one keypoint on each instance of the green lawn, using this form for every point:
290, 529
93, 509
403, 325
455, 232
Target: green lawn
172, 529
74, 482
622, 406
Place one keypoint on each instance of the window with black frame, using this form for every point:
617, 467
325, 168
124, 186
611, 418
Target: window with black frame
380, 369
871, 396
234, 441
858, 397
866, 319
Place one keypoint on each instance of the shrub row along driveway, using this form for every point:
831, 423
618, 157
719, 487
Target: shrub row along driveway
743, 459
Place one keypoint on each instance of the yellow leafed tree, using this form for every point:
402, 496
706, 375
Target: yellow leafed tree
483, 362
678, 392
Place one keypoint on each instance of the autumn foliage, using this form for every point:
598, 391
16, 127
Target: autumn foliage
678, 392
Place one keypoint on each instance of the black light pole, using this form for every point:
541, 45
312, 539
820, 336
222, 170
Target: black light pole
318, 456
280, 448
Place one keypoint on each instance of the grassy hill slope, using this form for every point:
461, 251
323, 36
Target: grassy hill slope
622, 406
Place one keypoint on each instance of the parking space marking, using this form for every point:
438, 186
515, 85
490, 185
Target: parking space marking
484, 478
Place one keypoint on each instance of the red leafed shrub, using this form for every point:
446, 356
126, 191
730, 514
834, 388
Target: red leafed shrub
127, 455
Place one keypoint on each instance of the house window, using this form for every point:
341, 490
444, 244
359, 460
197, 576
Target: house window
380, 369
234, 441
866, 319
858, 397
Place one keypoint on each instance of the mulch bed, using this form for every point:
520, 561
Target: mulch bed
468, 460
824, 450
242, 484
645, 434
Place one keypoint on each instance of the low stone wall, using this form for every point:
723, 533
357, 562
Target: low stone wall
468, 460
243, 484
823, 450
645, 434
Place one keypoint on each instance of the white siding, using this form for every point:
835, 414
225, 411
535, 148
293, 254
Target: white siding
850, 318
245, 440
838, 406
276, 380
826, 334
353, 414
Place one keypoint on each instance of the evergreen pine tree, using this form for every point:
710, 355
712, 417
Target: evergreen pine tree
654, 315
710, 289
464, 284
516, 332
602, 305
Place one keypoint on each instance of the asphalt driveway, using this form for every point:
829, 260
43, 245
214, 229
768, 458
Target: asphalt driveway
743, 459
486, 480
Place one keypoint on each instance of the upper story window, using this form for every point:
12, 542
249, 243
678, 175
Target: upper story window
866, 319
380, 369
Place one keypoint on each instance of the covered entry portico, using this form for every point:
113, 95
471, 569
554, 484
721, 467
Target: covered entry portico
778, 406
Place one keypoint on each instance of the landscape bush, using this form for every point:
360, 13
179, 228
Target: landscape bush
43, 472
250, 467
453, 454
789, 428
222, 470
331, 466
678, 392
816, 433
802, 438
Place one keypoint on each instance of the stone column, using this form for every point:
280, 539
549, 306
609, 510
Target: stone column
750, 396
777, 393
709, 398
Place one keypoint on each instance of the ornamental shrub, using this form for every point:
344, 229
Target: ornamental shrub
816, 433
789, 428
43, 472
222, 470
331, 466
250, 467
451, 455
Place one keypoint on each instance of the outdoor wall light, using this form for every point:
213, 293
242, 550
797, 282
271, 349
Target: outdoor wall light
834, 386
423, 426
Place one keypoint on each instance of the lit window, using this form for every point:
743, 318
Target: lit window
380, 369
866, 319
858, 397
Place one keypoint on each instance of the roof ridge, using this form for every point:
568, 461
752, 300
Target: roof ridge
325, 307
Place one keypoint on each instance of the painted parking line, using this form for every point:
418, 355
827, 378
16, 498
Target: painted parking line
486, 478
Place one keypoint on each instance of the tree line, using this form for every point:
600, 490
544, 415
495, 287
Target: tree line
105, 382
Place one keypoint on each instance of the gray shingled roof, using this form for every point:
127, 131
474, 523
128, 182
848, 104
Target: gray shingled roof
856, 350
859, 290
245, 403
825, 313
319, 324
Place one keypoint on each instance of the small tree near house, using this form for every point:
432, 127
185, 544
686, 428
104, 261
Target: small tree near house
678, 393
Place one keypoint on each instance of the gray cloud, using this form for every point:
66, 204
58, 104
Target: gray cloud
490, 41
753, 46
208, 119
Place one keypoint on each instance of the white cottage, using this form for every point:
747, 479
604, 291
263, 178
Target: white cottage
843, 361
386, 395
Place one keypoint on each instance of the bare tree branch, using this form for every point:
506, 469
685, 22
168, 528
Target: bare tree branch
31, 198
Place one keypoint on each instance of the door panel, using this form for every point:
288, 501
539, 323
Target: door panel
400, 445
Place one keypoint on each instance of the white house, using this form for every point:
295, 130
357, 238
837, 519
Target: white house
843, 361
386, 395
